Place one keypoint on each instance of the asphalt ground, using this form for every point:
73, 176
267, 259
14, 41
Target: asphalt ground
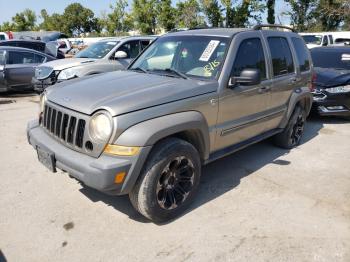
260, 204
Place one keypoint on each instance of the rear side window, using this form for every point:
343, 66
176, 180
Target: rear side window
20, 58
302, 54
250, 55
38, 59
331, 39
282, 60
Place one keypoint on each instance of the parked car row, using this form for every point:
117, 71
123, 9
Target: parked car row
29, 64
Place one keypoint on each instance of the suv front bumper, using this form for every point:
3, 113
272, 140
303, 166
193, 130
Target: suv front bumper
98, 173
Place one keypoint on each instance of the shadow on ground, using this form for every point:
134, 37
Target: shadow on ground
224, 174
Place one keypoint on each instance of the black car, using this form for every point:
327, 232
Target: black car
331, 82
17, 67
50, 48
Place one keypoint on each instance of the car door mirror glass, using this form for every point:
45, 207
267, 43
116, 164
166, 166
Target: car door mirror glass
120, 55
248, 77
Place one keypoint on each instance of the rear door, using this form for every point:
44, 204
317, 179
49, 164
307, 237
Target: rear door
20, 67
284, 73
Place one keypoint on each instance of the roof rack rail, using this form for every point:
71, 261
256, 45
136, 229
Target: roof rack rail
261, 26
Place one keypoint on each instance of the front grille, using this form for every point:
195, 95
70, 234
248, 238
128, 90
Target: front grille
63, 126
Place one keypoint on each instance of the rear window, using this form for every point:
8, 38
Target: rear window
312, 39
2, 37
282, 60
302, 54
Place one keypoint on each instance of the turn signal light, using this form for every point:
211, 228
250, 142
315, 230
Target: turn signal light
119, 178
121, 150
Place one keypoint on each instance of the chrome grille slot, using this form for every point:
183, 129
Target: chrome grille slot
67, 128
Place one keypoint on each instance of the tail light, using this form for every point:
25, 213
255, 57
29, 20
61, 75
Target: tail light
10, 34
312, 84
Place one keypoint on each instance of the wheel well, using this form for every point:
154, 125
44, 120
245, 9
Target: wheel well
304, 103
195, 138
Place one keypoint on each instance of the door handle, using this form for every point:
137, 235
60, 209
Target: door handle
264, 89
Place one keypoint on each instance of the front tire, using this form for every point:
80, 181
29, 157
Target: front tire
291, 136
168, 181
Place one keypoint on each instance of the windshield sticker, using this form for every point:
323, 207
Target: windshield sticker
111, 43
209, 50
345, 57
211, 66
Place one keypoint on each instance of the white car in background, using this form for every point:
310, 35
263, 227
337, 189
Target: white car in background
313, 40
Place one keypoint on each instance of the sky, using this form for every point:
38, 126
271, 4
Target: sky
8, 8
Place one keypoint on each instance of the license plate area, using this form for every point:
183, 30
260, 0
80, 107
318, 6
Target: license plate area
46, 158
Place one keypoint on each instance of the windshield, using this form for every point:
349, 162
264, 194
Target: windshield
97, 50
337, 59
312, 39
184, 56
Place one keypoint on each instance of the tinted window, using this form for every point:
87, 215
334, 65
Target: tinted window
331, 39
131, 48
312, 39
331, 58
302, 54
282, 60
2, 37
38, 59
144, 44
20, 58
250, 55
325, 40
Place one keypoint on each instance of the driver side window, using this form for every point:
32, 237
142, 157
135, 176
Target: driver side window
250, 55
131, 48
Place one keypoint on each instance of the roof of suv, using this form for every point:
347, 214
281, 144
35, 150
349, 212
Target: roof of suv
127, 38
224, 32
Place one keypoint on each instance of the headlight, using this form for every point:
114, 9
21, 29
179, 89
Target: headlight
338, 89
101, 126
42, 102
67, 74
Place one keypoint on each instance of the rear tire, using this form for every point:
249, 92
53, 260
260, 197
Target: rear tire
291, 136
168, 181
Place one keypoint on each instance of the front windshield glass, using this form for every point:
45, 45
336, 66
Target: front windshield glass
97, 50
312, 39
331, 59
184, 56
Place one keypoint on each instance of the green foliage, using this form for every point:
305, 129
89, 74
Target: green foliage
302, 12
166, 15
24, 21
213, 12
270, 11
331, 13
188, 14
116, 18
145, 15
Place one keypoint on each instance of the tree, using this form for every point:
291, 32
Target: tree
302, 12
213, 12
238, 14
166, 15
115, 20
145, 15
55, 22
6, 27
270, 11
188, 14
78, 19
330, 14
24, 21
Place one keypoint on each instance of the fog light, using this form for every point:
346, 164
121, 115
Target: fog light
119, 178
121, 150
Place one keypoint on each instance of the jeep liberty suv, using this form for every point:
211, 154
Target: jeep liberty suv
191, 97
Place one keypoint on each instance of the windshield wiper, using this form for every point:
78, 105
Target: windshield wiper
171, 70
139, 69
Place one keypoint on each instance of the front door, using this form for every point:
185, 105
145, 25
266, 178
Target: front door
243, 109
132, 49
2, 70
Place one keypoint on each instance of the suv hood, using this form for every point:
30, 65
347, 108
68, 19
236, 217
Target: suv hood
329, 77
125, 91
61, 64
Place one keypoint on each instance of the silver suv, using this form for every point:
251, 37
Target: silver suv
106, 55
190, 98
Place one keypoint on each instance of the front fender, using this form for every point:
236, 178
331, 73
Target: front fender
149, 132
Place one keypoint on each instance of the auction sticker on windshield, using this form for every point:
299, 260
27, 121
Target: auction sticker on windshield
209, 50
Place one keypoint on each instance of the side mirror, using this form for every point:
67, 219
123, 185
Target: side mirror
120, 55
248, 77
